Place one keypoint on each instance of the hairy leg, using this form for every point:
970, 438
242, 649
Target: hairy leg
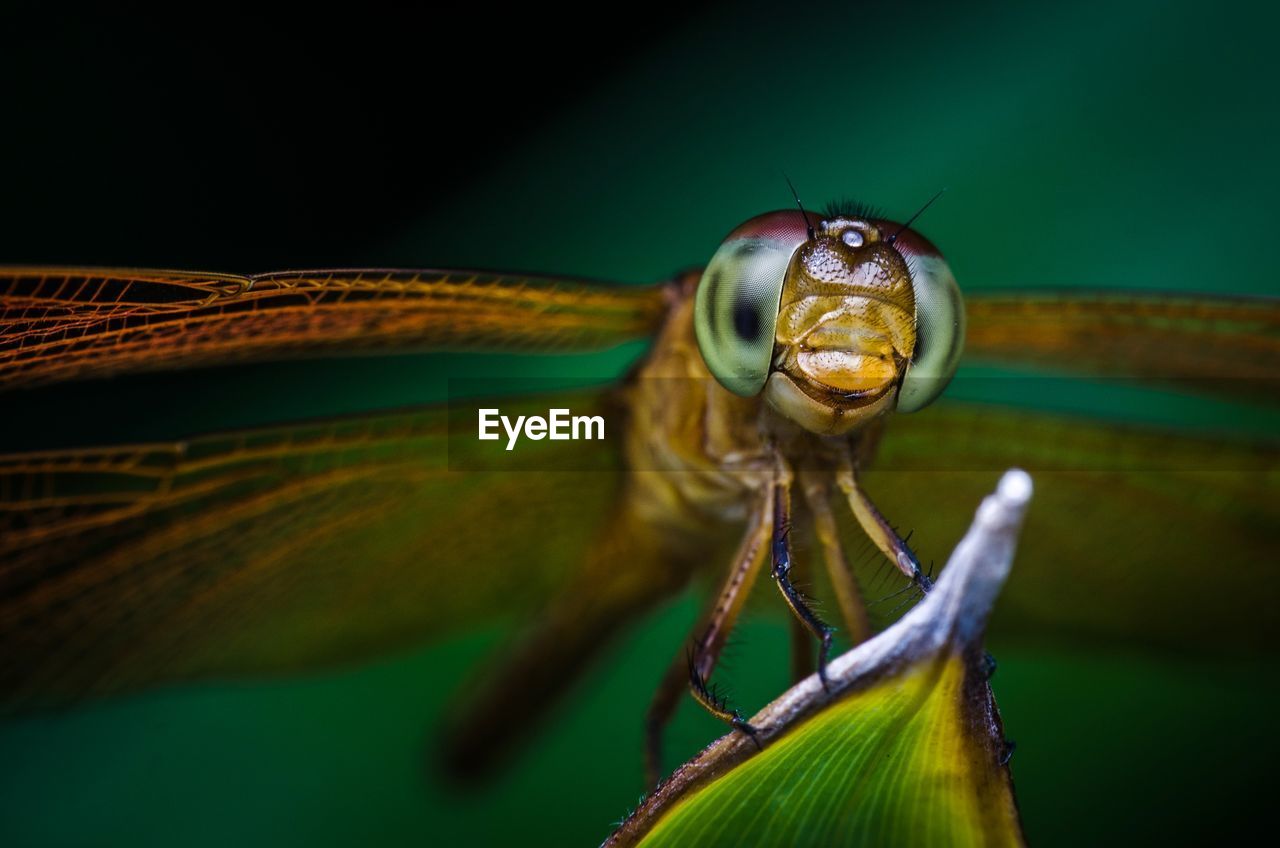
881, 532
780, 548
693, 668
853, 609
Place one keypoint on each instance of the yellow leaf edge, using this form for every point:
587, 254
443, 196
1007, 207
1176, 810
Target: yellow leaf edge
934, 651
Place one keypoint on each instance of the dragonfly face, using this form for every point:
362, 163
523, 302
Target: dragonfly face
835, 324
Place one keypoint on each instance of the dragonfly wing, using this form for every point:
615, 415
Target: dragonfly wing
275, 550
70, 323
1135, 537
1224, 345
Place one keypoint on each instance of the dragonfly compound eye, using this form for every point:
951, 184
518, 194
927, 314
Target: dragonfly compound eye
736, 308
939, 324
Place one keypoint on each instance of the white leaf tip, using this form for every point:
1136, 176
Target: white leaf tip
1015, 487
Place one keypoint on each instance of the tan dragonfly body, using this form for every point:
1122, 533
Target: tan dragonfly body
701, 455
231, 554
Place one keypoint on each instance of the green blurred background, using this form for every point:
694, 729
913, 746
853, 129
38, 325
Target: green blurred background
1096, 145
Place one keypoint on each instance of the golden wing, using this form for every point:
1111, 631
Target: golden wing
1134, 536
72, 323
1223, 345
277, 549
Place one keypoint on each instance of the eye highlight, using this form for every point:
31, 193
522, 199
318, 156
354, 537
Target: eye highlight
853, 238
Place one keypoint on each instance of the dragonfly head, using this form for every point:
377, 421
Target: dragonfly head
835, 325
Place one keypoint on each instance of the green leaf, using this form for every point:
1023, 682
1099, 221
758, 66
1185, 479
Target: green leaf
906, 747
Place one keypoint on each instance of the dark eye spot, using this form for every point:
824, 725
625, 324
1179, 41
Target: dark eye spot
746, 321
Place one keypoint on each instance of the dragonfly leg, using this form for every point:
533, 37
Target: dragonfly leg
853, 610
802, 660
694, 668
714, 703
881, 532
781, 570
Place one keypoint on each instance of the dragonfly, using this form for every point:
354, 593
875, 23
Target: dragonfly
788, 392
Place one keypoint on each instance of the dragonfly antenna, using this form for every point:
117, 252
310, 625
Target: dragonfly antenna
807, 225
912, 219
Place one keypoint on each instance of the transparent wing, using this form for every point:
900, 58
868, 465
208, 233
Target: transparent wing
276, 550
71, 323
1134, 537
1223, 345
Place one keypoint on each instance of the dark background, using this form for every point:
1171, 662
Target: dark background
257, 139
